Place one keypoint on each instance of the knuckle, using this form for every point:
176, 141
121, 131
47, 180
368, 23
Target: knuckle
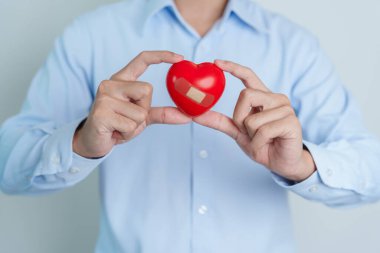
170, 54
102, 102
103, 87
130, 126
146, 88
288, 110
256, 154
246, 93
145, 114
250, 121
133, 125
143, 54
295, 121
284, 99
114, 76
163, 115
234, 68
142, 115
228, 63
262, 132
98, 130
247, 71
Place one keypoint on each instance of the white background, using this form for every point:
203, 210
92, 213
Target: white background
68, 221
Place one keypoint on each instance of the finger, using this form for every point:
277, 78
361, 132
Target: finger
137, 131
251, 98
140, 63
284, 128
118, 137
167, 115
245, 74
129, 110
123, 126
220, 122
137, 92
253, 122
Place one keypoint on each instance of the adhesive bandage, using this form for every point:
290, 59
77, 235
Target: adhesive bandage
186, 89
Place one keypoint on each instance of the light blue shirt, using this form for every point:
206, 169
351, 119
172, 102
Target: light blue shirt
189, 188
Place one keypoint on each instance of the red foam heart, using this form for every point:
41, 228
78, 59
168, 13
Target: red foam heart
195, 88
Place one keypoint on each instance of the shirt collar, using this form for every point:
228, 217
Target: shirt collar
246, 10
151, 8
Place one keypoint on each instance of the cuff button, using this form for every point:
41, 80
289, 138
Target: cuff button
313, 189
55, 159
74, 170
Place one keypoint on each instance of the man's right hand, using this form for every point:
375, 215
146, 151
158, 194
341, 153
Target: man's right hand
122, 108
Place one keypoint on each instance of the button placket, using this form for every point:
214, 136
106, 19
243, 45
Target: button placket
201, 168
202, 190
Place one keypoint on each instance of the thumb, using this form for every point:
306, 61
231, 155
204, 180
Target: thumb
220, 122
167, 115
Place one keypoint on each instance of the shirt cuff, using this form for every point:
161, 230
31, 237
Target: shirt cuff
59, 163
80, 168
312, 188
326, 181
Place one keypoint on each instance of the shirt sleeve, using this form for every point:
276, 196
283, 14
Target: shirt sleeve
346, 155
36, 145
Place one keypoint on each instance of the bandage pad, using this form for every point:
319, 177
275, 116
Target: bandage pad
186, 89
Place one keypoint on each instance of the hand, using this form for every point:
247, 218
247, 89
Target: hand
122, 108
264, 125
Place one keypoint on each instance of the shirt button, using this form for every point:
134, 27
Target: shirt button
55, 159
203, 154
313, 188
74, 170
329, 172
202, 210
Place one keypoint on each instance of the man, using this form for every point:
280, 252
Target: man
171, 183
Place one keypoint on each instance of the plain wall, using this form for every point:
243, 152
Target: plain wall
68, 221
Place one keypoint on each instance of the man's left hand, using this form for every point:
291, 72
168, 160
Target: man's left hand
264, 125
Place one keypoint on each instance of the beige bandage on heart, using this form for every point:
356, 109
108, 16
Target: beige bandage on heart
186, 89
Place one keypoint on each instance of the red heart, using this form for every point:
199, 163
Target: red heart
195, 88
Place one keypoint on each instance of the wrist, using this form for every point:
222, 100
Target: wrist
305, 168
78, 144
